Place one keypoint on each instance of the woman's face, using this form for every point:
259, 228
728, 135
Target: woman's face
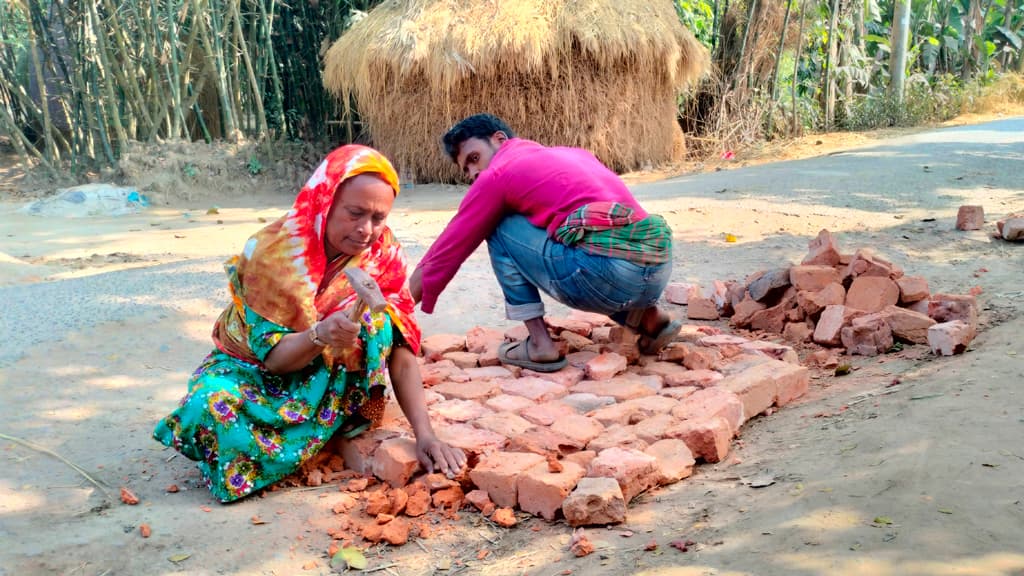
358, 215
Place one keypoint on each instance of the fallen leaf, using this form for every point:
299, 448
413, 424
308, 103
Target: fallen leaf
625, 533
145, 530
128, 497
843, 369
883, 520
179, 558
213, 210
349, 557
945, 511
256, 521
261, 219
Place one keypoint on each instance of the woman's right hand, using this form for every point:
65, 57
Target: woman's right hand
338, 331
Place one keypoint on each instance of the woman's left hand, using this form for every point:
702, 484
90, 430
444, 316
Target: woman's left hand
437, 456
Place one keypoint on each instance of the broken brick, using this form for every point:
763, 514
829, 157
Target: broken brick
970, 217
595, 501
472, 390
535, 389
580, 428
617, 436
634, 470
547, 413
435, 345
541, 491
469, 438
702, 309
621, 388
717, 401
907, 325
675, 461
912, 289
822, 250
707, 438
395, 461
508, 403
950, 338
872, 293
507, 424
813, 277
605, 366
459, 410
498, 474
698, 378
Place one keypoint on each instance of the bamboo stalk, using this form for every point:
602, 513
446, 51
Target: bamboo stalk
44, 97
254, 86
796, 67
101, 64
130, 87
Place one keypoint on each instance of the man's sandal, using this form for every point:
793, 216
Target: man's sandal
553, 366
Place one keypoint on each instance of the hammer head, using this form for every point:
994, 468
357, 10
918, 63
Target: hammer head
366, 289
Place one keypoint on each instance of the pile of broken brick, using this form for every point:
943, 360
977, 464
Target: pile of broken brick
860, 301
972, 217
582, 442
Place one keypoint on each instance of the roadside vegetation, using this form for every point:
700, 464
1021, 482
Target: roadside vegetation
114, 73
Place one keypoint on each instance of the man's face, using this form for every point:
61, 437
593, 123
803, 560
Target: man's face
475, 154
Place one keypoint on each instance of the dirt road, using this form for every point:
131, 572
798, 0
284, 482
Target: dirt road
918, 477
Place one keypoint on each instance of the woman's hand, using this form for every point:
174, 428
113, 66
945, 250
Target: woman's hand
435, 455
337, 331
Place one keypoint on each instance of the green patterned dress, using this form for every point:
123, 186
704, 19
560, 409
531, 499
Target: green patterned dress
248, 428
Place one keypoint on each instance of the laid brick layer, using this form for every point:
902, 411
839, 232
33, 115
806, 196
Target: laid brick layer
579, 444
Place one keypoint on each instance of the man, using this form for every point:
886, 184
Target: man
557, 220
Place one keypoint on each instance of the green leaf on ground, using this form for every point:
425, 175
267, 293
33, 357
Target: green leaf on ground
349, 557
945, 511
179, 558
843, 369
883, 520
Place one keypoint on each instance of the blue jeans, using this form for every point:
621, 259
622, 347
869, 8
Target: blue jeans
526, 260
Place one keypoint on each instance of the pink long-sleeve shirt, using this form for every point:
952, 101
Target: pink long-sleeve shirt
543, 184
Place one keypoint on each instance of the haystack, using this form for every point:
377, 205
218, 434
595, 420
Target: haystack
599, 74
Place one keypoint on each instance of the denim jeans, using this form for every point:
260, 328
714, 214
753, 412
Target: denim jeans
526, 260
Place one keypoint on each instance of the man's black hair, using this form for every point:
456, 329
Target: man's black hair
481, 126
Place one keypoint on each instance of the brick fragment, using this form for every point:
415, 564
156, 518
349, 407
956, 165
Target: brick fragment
675, 461
583, 458
617, 436
568, 376
358, 452
395, 461
580, 428
829, 330
547, 413
948, 307
444, 370
469, 438
498, 475
707, 438
772, 350
621, 388
463, 359
813, 277
769, 284
544, 440
970, 217
535, 389
481, 338
632, 411
507, 424
798, 332
583, 402
912, 289
866, 262
558, 324
459, 410
541, 491
694, 378
653, 428
435, 345
822, 250
472, 390
744, 311
715, 401
574, 342
504, 517
868, 335
481, 501
907, 325
605, 366
772, 382
594, 319
702, 309
508, 403
872, 293
1012, 229
634, 470
680, 292
595, 501
950, 338
814, 302
488, 373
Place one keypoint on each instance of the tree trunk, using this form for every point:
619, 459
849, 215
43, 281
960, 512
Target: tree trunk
775, 72
898, 44
1007, 21
973, 14
830, 59
743, 46
796, 69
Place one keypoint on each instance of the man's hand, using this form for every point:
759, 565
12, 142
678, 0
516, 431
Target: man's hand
437, 456
337, 331
416, 285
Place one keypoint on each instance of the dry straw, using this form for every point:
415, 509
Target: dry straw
599, 74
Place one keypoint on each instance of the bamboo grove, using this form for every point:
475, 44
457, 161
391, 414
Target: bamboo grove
81, 80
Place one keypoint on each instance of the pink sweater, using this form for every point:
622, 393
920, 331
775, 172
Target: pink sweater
544, 184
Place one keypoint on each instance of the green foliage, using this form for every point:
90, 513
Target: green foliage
254, 166
699, 17
190, 170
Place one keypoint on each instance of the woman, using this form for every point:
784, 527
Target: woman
290, 368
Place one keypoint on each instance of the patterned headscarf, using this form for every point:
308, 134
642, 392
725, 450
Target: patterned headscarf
283, 265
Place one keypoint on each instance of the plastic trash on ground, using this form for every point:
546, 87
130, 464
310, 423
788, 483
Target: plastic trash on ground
89, 200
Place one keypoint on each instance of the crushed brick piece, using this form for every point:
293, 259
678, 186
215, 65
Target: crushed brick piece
675, 461
605, 366
547, 413
634, 470
504, 517
595, 501
435, 345
970, 217
950, 338
508, 403
822, 250
507, 424
707, 438
472, 390
541, 491
395, 461
497, 474
872, 293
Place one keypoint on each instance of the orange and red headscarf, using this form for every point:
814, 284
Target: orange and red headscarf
280, 271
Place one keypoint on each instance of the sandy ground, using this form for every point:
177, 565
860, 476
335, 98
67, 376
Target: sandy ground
910, 465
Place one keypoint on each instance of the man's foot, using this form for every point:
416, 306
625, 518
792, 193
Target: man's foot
522, 353
657, 329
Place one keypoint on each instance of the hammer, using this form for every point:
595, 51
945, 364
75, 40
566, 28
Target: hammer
367, 292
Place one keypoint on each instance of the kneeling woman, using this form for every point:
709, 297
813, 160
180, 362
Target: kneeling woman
290, 368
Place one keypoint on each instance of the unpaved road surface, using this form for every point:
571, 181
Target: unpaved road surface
911, 465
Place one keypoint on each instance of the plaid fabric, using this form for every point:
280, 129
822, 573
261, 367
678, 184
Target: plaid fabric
611, 229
